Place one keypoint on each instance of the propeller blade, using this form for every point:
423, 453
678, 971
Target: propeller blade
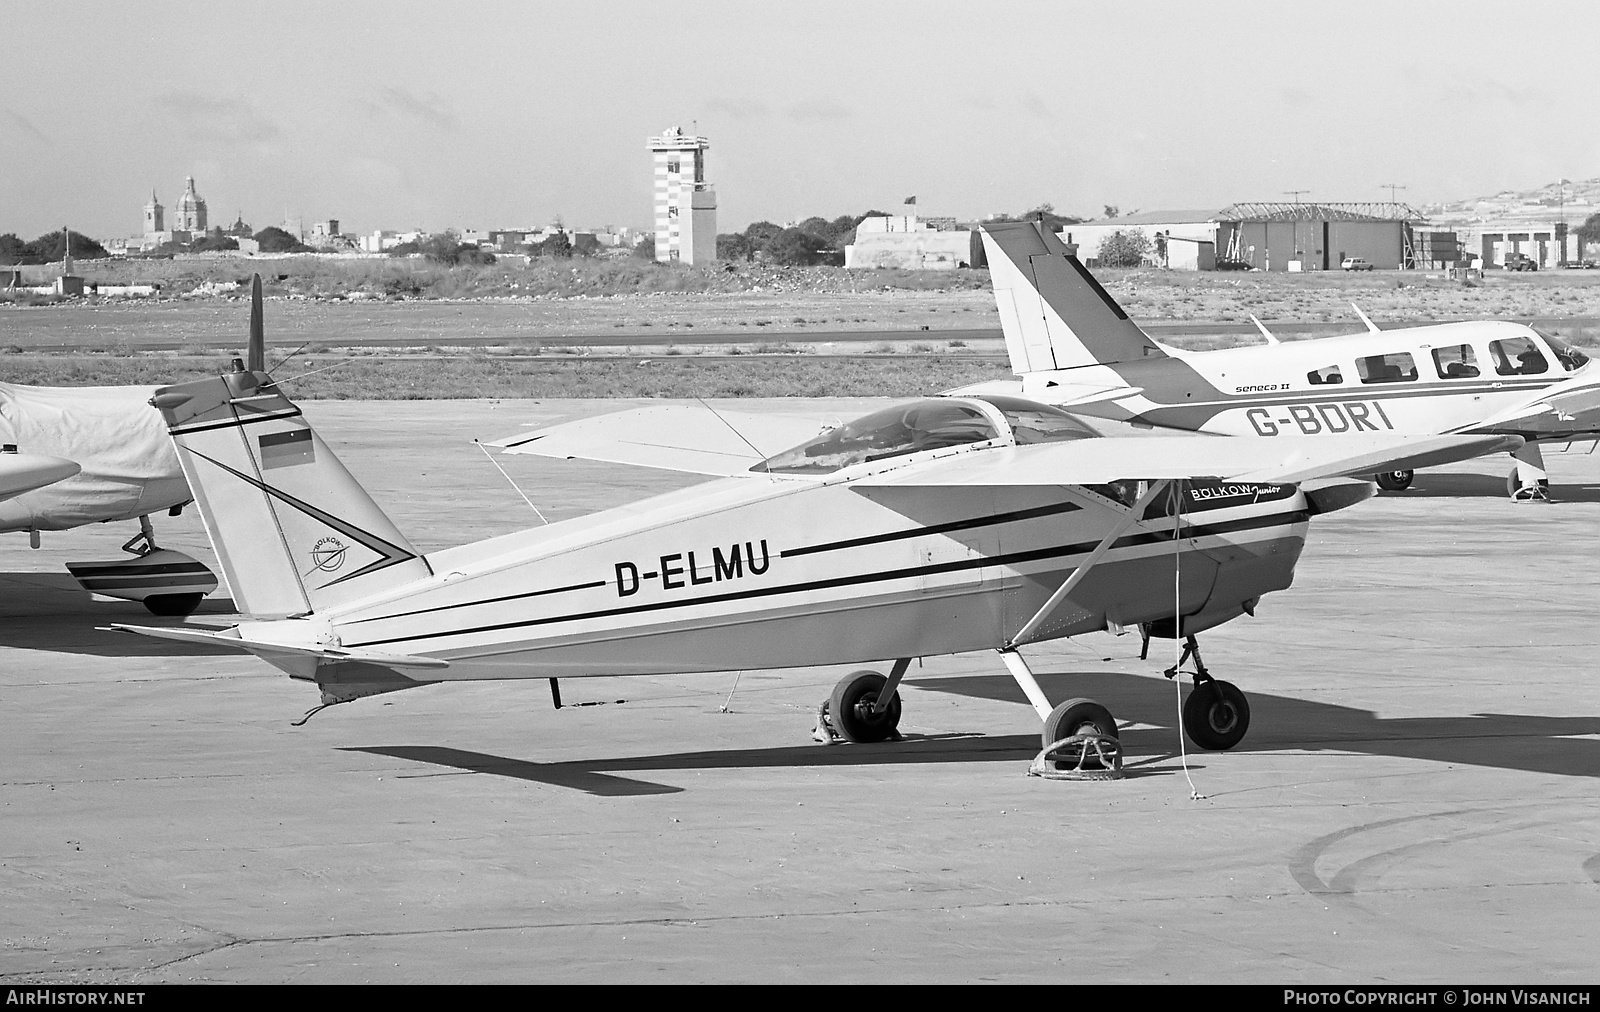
257, 351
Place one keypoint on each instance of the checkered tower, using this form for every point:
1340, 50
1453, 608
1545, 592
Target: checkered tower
686, 205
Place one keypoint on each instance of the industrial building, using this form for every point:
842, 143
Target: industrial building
909, 242
686, 205
1268, 236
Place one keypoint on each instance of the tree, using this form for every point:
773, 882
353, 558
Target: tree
794, 247
214, 241
733, 246
12, 248
555, 245
52, 245
1125, 247
1589, 231
275, 240
645, 248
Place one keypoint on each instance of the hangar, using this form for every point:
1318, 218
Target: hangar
1279, 236
1270, 236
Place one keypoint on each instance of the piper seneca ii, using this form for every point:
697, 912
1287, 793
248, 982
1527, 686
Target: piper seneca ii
942, 525
1071, 345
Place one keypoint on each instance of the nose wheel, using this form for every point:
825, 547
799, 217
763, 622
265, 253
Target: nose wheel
1394, 481
1216, 715
864, 707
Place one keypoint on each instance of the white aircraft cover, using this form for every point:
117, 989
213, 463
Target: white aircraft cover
1280, 459
114, 427
24, 472
677, 437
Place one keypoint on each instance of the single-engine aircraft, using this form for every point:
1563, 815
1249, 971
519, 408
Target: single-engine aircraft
1072, 345
124, 469
941, 525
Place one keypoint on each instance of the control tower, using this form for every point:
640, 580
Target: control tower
686, 205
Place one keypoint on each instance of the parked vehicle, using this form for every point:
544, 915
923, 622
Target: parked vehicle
1520, 262
1355, 264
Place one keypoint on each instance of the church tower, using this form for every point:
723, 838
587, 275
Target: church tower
154, 215
190, 214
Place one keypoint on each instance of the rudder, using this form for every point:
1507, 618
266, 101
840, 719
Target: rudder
1054, 313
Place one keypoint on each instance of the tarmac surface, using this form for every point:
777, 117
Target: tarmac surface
1415, 801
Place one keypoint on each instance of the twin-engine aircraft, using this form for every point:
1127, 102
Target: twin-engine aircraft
942, 525
1073, 346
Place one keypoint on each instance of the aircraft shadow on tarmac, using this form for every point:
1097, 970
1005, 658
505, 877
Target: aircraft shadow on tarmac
1486, 486
49, 611
1505, 741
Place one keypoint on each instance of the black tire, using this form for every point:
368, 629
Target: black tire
1077, 716
173, 605
850, 708
1216, 715
1394, 481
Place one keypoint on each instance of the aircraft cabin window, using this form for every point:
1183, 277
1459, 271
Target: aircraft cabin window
1395, 367
1032, 422
1455, 362
904, 428
1517, 356
1327, 375
1571, 359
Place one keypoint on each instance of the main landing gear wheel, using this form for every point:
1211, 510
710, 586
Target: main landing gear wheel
1077, 716
1216, 715
1394, 481
850, 709
176, 605
1537, 492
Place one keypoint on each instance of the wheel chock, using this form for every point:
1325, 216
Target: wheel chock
824, 733
1081, 757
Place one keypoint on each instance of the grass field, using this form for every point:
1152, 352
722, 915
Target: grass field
427, 377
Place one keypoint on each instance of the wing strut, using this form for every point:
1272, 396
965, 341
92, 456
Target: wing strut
1071, 583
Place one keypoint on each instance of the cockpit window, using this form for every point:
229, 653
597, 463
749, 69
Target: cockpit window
1517, 356
1571, 359
1328, 374
1455, 362
904, 428
1396, 367
1032, 422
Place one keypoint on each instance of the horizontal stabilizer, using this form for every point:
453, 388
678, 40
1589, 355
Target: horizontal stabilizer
1229, 458
677, 437
24, 472
229, 638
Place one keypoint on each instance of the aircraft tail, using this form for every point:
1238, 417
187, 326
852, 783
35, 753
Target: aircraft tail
1054, 313
292, 529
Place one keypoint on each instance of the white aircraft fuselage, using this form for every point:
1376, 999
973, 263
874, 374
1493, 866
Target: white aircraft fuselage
1388, 381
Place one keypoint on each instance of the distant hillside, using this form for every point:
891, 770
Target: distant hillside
1579, 197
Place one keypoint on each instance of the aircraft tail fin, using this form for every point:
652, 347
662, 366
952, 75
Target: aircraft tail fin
1054, 313
293, 530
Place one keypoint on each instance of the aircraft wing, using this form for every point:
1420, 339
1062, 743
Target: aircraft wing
677, 437
1281, 459
24, 472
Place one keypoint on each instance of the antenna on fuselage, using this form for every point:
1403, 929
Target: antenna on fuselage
1264, 331
1372, 328
256, 350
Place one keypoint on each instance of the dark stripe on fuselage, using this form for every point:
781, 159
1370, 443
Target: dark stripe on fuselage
917, 532
1011, 559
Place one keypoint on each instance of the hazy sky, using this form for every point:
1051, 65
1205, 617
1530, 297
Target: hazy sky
462, 114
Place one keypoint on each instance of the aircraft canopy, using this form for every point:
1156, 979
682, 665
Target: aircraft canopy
929, 424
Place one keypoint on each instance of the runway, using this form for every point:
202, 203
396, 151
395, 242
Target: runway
1415, 801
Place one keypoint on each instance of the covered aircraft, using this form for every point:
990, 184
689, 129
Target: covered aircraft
123, 468
937, 526
1072, 345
